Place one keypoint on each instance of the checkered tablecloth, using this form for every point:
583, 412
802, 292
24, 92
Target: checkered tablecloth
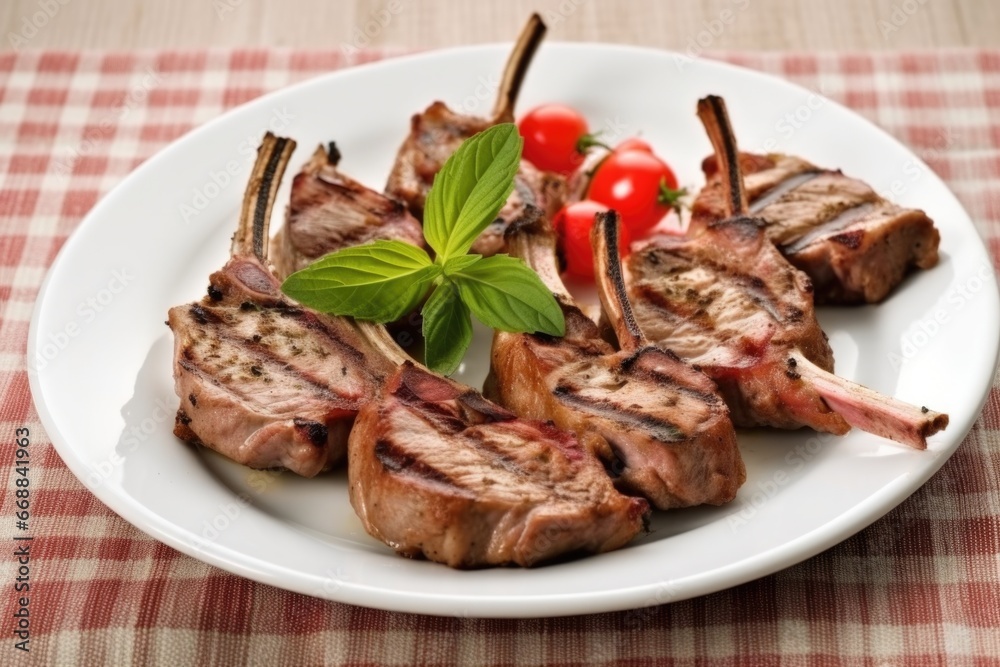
919, 587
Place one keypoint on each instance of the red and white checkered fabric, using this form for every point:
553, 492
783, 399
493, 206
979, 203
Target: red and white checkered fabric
919, 587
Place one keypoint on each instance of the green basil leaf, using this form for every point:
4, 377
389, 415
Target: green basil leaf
447, 329
380, 281
457, 264
505, 294
471, 188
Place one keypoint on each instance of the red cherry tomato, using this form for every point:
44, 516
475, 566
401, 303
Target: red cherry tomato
634, 144
637, 184
573, 224
551, 133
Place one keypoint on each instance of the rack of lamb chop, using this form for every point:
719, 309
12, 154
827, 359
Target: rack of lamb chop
855, 245
659, 425
724, 299
261, 380
329, 210
438, 132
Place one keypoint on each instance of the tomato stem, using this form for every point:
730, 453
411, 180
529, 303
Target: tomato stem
670, 197
588, 141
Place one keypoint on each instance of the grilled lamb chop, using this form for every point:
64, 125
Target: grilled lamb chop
660, 426
437, 470
854, 245
437, 132
329, 211
724, 299
262, 380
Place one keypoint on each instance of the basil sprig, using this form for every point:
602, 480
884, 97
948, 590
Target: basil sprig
384, 280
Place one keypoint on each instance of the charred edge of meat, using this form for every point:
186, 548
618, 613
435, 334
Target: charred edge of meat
713, 115
314, 432
611, 281
531, 222
332, 153
517, 67
272, 159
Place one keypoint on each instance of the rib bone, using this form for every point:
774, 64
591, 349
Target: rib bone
437, 132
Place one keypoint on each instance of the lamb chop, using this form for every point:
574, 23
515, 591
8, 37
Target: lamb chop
854, 245
437, 470
724, 299
659, 425
261, 380
329, 211
437, 132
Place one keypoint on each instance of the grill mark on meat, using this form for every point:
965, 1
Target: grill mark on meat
397, 460
661, 429
693, 310
262, 358
313, 323
781, 189
667, 380
839, 221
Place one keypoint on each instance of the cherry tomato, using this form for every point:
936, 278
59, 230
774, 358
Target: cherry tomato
573, 224
637, 184
551, 133
634, 144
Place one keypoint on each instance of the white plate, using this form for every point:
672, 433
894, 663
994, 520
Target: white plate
106, 396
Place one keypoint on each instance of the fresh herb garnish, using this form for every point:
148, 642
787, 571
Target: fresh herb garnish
384, 280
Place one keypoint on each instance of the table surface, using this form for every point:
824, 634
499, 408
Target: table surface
749, 24
920, 586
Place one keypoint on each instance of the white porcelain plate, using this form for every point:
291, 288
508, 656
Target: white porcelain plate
101, 356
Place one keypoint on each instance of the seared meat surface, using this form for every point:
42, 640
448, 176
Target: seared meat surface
262, 381
438, 132
329, 211
438, 471
724, 299
660, 427
854, 245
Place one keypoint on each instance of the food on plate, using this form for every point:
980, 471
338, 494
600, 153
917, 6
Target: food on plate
437, 470
572, 225
855, 245
556, 138
724, 299
660, 427
591, 426
437, 132
329, 210
261, 380
636, 183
